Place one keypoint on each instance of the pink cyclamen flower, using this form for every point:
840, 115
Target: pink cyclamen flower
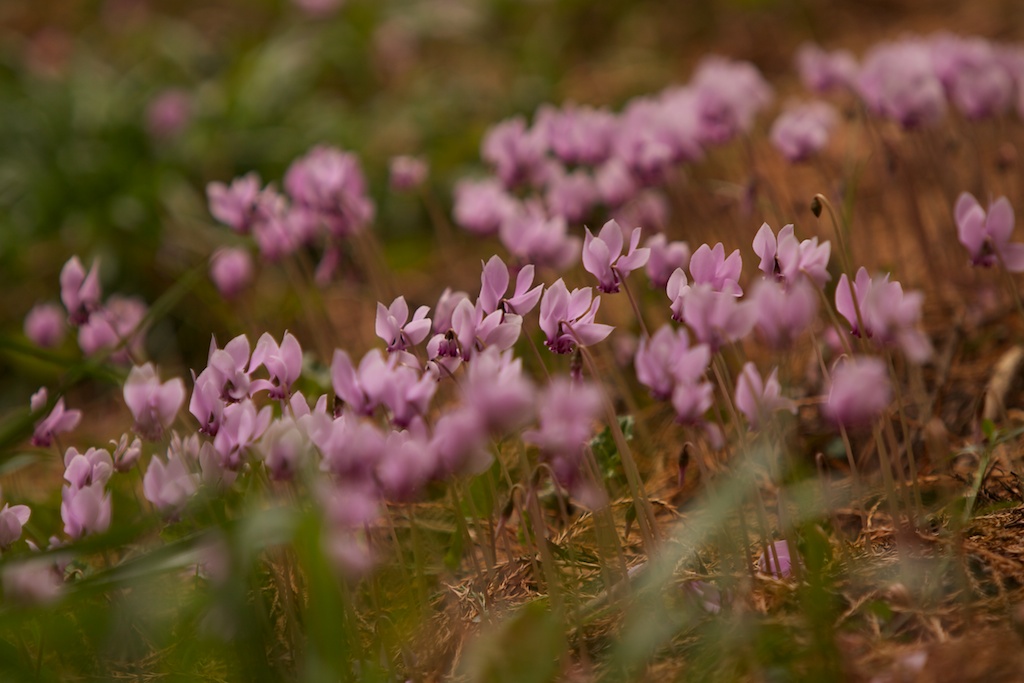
44, 325
407, 173
603, 258
889, 316
534, 237
859, 392
114, 328
786, 257
571, 195
125, 455
898, 81
568, 318
360, 390
330, 183
515, 151
231, 270
34, 581
235, 205
12, 519
153, 405
481, 206
283, 447
986, 235
85, 510
494, 285
716, 318
784, 310
168, 486
84, 469
79, 291
495, 388
710, 266
566, 412
476, 330
58, 421
395, 328
283, 362
664, 259
240, 427
758, 398
667, 359
821, 71
802, 131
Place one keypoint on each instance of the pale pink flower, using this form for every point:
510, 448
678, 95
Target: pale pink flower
603, 257
153, 405
395, 328
758, 398
231, 270
986, 235
44, 325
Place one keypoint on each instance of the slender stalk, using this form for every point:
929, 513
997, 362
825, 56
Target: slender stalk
636, 308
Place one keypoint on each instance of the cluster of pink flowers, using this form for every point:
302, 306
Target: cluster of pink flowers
111, 326
325, 201
576, 160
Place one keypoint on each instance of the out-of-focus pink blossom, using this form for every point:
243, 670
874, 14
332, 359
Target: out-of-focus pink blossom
758, 398
859, 392
32, 581
153, 405
898, 81
716, 318
787, 257
821, 71
318, 8
235, 205
330, 183
12, 519
986, 235
57, 422
571, 195
577, 134
481, 206
889, 316
665, 258
85, 510
778, 563
44, 325
407, 172
125, 455
169, 485
495, 388
804, 130
240, 427
515, 151
529, 234
566, 412
231, 270
283, 363
283, 448
79, 291
729, 94
116, 328
783, 311
667, 359
169, 113
977, 82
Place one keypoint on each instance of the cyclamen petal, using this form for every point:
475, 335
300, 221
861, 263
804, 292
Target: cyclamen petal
153, 405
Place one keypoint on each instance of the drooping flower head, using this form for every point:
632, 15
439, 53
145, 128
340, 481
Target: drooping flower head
859, 392
986, 235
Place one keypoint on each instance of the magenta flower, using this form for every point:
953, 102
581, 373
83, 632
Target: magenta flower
729, 96
783, 311
787, 257
976, 80
241, 426
407, 394
407, 173
44, 325
283, 448
231, 271
449, 300
395, 328
665, 258
235, 205
330, 183
890, 317
496, 390
283, 362
802, 131
566, 412
859, 391
577, 134
406, 465
349, 445
362, 390
667, 359
168, 486
515, 151
460, 441
79, 291
12, 519
533, 237
125, 455
709, 266
57, 422
85, 510
481, 206
615, 183
821, 71
986, 236
95, 466
898, 81
757, 398
153, 405
494, 285
568, 318
716, 318
603, 258
476, 330
571, 195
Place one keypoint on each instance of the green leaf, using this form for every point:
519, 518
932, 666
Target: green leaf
526, 648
